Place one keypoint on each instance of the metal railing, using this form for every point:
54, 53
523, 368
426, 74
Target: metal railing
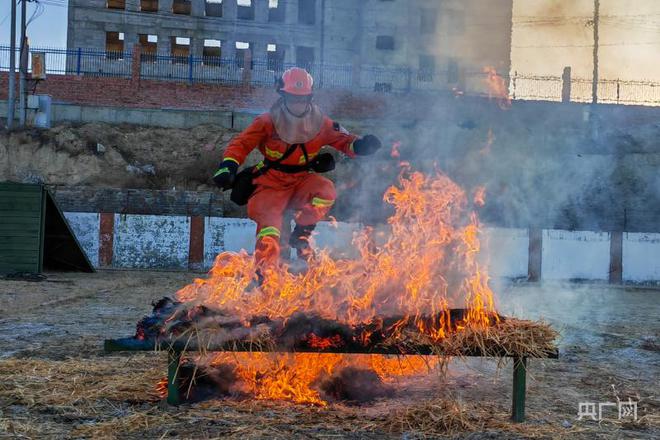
90, 62
232, 71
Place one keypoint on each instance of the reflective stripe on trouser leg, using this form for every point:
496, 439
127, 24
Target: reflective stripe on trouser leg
268, 231
267, 251
318, 202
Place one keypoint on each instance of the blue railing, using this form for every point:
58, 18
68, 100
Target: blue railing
92, 62
89, 62
230, 71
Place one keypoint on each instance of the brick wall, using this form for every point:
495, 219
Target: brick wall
131, 93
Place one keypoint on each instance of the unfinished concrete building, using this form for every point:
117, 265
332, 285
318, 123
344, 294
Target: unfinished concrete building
375, 44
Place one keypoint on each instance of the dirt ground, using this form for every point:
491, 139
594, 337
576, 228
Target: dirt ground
57, 382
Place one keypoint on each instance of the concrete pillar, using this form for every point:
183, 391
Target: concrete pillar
246, 78
260, 11
228, 49
535, 254
106, 238
136, 65
258, 49
164, 7
291, 11
198, 8
130, 39
164, 44
196, 47
196, 245
616, 257
133, 6
566, 85
229, 8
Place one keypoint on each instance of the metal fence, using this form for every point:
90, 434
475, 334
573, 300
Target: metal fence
91, 62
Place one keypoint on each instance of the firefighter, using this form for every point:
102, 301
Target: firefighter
289, 136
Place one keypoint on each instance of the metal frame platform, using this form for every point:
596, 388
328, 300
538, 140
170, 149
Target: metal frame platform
175, 348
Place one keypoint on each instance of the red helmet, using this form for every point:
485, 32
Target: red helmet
296, 81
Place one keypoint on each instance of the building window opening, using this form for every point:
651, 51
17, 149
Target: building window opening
149, 47
385, 42
242, 51
212, 52
180, 50
275, 11
149, 5
114, 45
275, 58
426, 68
245, 9
306, 11
182, 7
116, 4
383, 87
213, 8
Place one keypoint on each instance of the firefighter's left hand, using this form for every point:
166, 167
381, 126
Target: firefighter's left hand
224, 177
367, 145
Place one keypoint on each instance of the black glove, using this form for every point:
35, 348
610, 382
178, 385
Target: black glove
224, 177
323, 163
367, 145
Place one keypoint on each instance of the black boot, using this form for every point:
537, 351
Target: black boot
299, 240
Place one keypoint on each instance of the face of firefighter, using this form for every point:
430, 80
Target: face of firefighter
297, 105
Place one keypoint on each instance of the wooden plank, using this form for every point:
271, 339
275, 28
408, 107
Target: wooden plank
27, 215
18, 224
19, 255
15, 268
184, 344
6, 248
11, 187
28, 233
20, 205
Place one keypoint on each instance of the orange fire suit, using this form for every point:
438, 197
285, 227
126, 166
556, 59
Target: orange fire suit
309, 194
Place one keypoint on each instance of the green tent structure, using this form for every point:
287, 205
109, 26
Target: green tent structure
34, 234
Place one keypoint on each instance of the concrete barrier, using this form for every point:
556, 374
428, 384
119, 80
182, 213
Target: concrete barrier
505, 252
151, 241
575, 255
169, 242
641, 257
86, 228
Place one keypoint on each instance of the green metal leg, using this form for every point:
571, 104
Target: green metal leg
173, 360
519, 389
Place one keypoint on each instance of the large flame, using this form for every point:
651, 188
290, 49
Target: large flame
420, 265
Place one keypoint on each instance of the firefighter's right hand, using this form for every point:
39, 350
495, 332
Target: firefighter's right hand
224, 177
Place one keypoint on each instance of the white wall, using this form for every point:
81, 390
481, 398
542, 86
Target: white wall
505, 252
575, 255
85, 227
144, 241
641, 257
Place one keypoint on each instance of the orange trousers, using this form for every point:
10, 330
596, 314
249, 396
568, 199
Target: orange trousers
310, 195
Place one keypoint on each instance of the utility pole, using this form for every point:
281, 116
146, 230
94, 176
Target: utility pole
12, 69
594, 85
23, 65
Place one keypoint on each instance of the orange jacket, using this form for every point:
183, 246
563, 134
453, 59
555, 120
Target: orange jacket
261, 133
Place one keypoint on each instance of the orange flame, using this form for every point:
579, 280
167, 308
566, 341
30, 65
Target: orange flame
421, 264
497, 88
480, 196
395, 150
296, 376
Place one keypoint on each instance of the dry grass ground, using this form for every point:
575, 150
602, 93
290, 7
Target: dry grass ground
57, 383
